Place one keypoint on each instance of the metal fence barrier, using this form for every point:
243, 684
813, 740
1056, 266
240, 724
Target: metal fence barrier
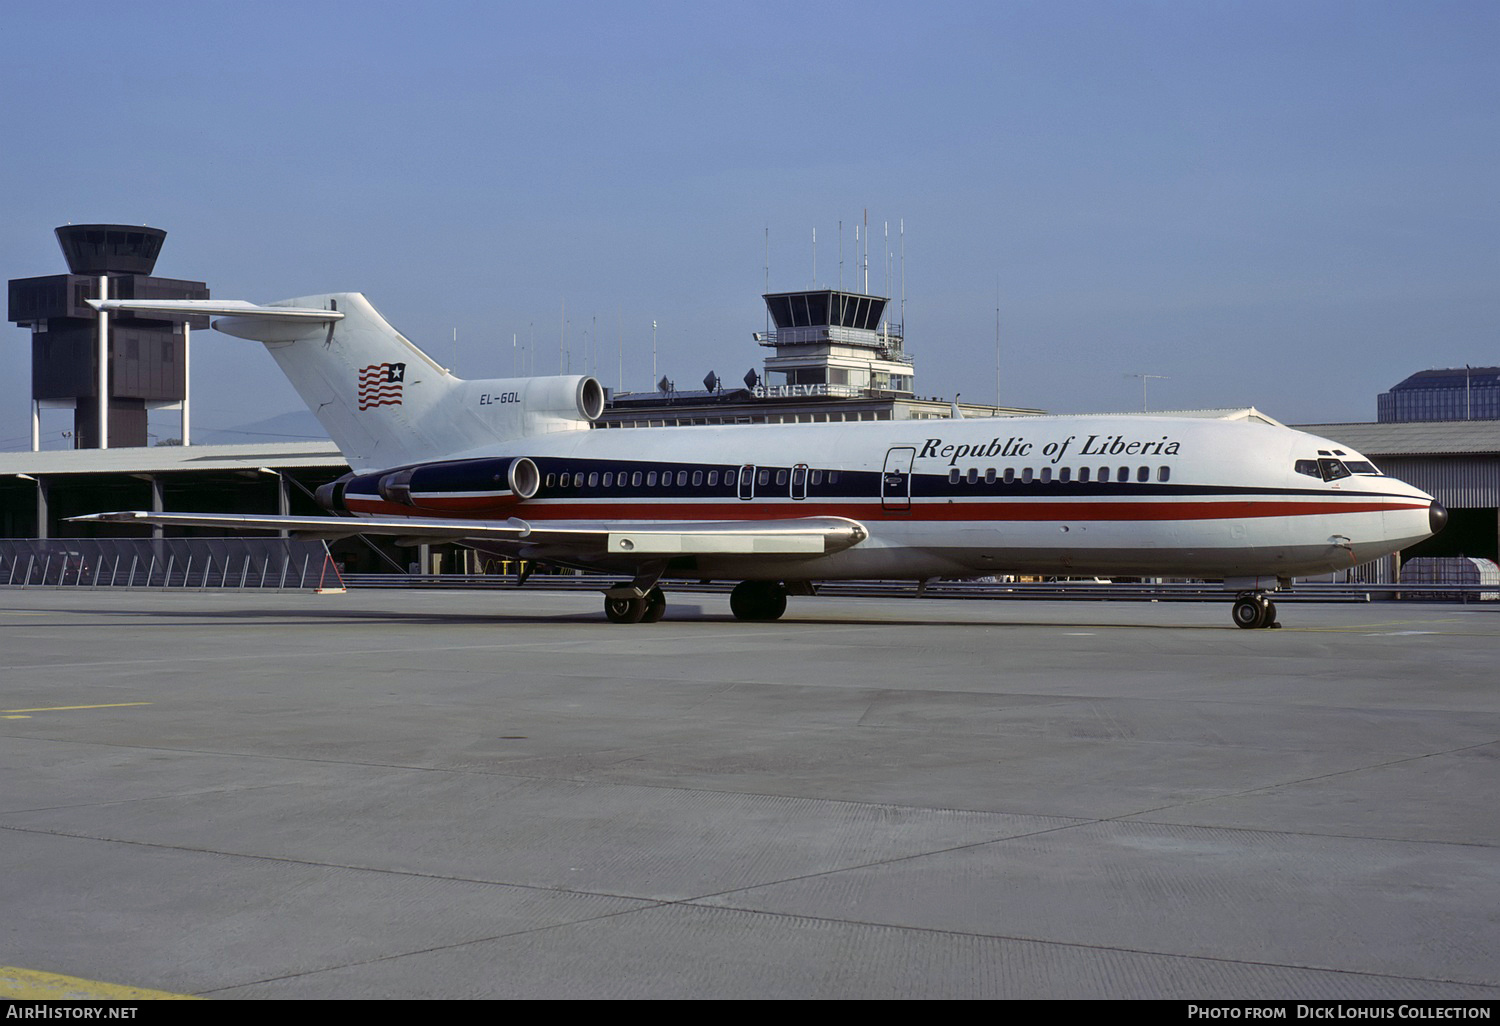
176, 563
285, 564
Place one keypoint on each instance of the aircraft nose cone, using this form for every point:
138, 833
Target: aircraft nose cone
1437, 517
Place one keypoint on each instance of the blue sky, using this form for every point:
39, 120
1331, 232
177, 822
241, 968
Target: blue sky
1287, 205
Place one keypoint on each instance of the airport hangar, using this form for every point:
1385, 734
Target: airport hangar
836, 357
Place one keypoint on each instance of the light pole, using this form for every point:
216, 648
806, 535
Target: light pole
41, 503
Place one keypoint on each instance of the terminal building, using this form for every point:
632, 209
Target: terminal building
1461, 393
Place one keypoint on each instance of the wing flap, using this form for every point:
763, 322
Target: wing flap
718, 542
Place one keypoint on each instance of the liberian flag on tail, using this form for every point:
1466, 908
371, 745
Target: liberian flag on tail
380, 385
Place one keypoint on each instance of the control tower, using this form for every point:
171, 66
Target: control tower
108, 369
834, 343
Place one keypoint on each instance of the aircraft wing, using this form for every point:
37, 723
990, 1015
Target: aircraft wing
579, 540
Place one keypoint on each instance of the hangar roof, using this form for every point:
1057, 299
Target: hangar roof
1423, 438
1247, 413
167, 459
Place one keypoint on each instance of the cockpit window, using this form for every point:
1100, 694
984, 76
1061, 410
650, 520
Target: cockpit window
1332, 469
1328, 469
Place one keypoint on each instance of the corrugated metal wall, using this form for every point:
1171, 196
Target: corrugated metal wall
1460, 482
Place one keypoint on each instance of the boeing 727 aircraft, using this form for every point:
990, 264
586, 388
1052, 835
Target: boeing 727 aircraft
513, 467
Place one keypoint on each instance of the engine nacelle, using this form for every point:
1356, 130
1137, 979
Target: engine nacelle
516, 407
331, 495
459, 487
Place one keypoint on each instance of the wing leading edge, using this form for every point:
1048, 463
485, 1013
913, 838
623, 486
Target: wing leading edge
582, 540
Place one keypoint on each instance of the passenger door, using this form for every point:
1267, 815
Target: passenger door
895, 481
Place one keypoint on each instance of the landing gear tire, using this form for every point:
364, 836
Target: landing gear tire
626, 610
1252, 612
757, 600
656, 606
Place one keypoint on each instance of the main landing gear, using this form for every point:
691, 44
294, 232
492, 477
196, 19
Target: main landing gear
647, 608
758, 600
642, 602
1254, 610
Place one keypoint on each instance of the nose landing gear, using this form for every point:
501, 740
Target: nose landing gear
1254, 610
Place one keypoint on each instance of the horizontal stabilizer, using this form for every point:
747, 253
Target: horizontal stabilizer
217, 308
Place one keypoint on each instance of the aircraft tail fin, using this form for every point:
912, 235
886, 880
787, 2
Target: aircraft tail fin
384, 401
377, 395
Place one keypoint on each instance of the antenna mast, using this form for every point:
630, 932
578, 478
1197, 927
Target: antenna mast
768, 289
867, 251
1144, 379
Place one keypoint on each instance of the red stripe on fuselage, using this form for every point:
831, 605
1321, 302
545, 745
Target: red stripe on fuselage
999, 510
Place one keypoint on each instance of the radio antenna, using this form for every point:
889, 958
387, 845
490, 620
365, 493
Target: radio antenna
867, 251
1144, 379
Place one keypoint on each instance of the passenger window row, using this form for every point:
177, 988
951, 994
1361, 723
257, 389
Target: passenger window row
764, 476
1063, 475
638, 479
684, 478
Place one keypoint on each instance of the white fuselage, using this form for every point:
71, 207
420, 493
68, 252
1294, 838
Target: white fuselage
1080, 495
